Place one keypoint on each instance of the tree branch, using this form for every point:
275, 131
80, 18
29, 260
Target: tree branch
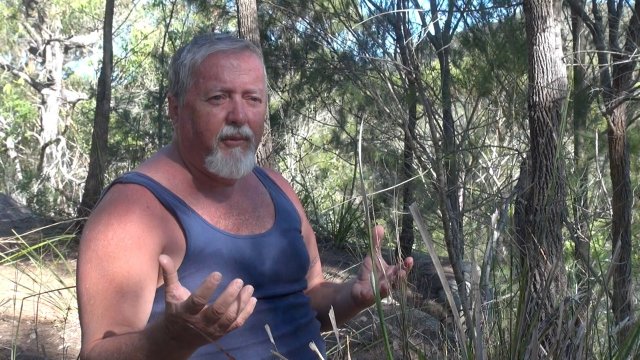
80, 41
38, 86
579, 9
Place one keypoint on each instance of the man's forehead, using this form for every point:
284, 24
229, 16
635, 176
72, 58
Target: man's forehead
234, 56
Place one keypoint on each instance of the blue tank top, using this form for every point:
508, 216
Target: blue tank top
275, 263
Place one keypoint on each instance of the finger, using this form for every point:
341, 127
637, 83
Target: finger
408, 264
169, 272
247, 305
385, 289
378, 263
378, 235
240, 301
245, 295
365, 269
174, 292
399, 271
219, 312
200, 297
398, 278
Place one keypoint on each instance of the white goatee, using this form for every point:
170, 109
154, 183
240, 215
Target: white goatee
237, 162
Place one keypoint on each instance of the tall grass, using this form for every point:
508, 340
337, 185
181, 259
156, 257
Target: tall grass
42, 302
585, 320
42, 295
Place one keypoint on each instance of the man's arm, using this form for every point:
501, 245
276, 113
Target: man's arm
150, 343
349, 298
118, 273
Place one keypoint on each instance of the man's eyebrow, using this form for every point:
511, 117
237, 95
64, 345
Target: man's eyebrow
216, 87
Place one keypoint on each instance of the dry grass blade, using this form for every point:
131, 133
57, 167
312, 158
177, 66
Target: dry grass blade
334, 326
278, 355
478, 344
426, 238
44, 311
315, 349
267, 328
372, 250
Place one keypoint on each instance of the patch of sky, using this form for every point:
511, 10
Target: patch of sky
373, 19
87, 63
87, 66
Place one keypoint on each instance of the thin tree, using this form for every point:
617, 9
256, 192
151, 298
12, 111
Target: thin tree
403, 41
541, 244
100, 135
581, 103
450, 196
617, 62
248, 28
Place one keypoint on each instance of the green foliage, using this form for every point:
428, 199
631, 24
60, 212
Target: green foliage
18, 116
336, 215
78, 16
492, 55
10, 32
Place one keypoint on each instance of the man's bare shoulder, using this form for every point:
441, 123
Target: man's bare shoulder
279, 179
125, 195
288, 190
128, 211
136, 197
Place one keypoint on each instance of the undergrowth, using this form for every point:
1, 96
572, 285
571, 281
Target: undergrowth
41, 307
42, 295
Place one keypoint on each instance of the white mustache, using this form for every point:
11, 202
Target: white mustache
229, 131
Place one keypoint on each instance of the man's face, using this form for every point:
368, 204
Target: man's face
222, 119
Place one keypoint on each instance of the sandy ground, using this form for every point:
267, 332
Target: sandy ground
38, 312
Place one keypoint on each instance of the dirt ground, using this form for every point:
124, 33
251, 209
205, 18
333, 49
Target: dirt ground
38, 312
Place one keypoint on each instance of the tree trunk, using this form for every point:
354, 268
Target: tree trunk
451, 199
622, 83
248, 21
248, 28
100, 135
616, 81
456, 249
621, 202
616, 68
52, 146
407, 237
581, 104
160, 97
45, 32
409, 72
542, 242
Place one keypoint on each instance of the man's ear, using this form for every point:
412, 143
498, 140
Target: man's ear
173, 108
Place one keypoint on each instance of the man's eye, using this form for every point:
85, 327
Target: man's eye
216, 98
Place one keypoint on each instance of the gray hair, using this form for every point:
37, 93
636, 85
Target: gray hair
190, 56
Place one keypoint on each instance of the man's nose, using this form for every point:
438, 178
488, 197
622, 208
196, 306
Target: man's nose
237, 112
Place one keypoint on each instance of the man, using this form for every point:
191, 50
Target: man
192, 254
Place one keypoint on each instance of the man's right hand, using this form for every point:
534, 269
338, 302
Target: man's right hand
189, 318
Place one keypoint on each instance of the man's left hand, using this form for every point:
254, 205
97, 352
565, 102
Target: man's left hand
387, 276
